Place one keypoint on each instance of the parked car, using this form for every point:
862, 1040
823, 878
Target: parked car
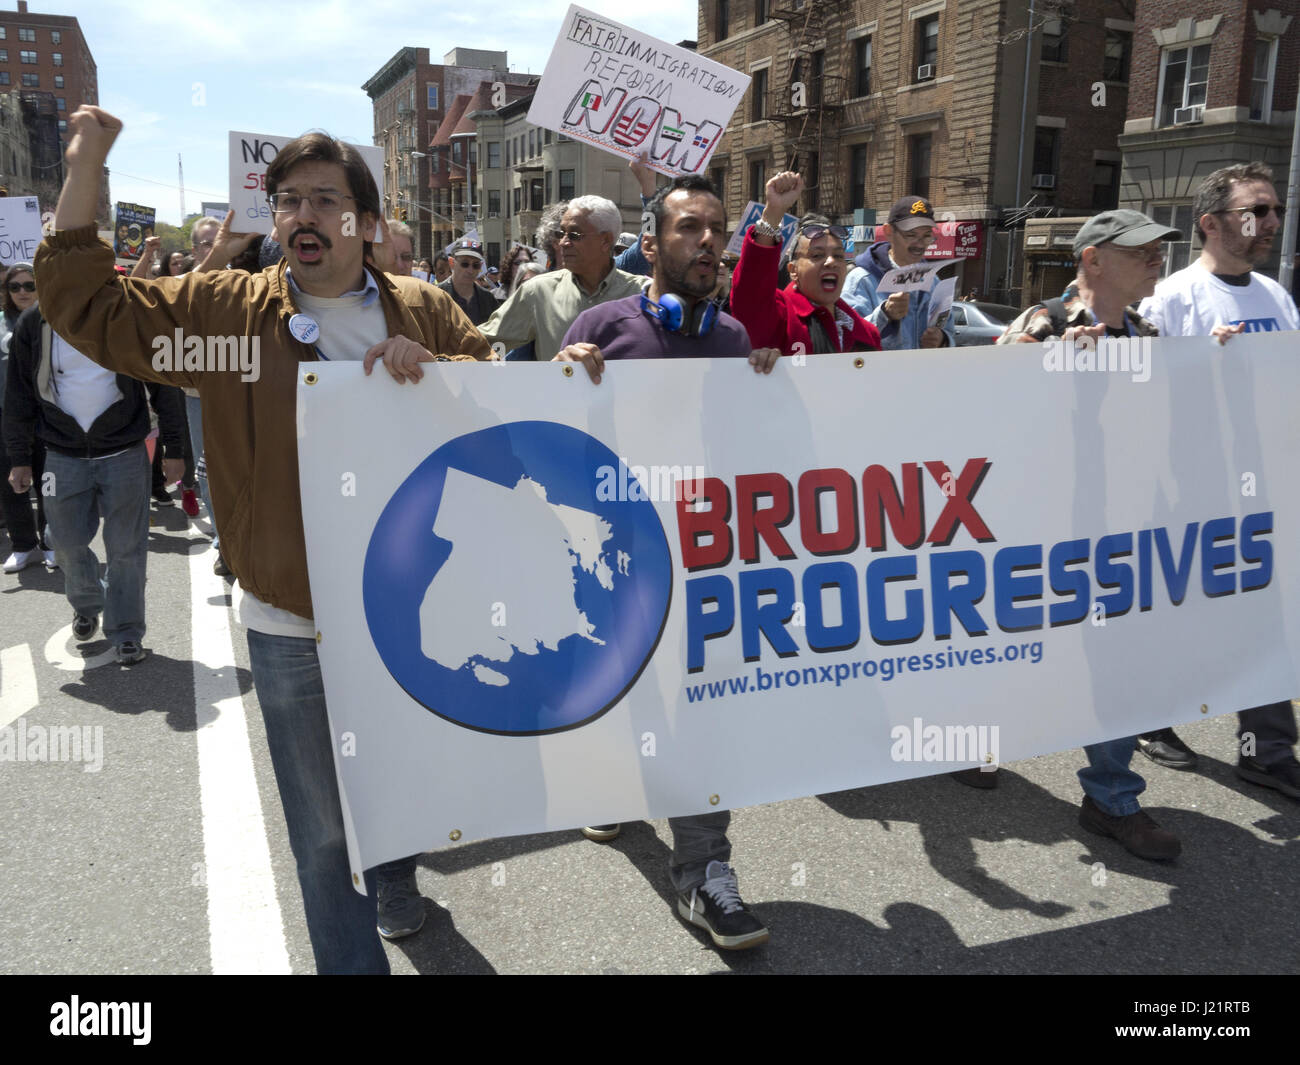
976, 322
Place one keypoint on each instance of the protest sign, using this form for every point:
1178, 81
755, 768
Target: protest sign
752, 213
550, 604
133, 226
627, 92
915, 278
941, 299
20, 229
250, 155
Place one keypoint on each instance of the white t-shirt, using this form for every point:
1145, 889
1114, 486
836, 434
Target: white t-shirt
1193, 301
350, 325
82, 389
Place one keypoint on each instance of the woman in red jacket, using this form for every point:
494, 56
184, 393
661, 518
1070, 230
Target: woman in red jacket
807, 316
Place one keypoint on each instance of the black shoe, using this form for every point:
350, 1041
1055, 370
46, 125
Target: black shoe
219, 567
1165, 748
602, 833
1137, 833
129, 653
401, 908
84, 626
1284, 778
977, 778
163, 497
716, 906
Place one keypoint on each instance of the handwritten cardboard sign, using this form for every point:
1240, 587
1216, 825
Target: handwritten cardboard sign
20, 229
250, 155
915, 278
627, 92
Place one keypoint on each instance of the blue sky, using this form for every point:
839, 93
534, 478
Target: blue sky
283, 67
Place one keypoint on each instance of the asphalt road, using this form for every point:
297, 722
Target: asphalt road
171, 856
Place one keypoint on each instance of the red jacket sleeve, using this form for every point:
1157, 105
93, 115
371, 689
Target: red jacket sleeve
756, 299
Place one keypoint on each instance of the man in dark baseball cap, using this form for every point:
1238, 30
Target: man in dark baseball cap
466, 262
1124, 228
903, 318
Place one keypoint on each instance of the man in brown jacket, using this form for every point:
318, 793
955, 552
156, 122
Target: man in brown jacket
320, 302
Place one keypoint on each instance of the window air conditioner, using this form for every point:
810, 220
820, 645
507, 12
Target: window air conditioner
1185, 116
925, 72
1044, 181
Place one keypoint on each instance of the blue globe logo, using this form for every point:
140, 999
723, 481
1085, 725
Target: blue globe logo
506, 591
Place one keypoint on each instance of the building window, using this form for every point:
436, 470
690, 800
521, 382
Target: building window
4, 78
58, 59
4, 33
718, 175
857, 177
722, 14
532, 143
27, 35
862, 66
1105, 186
812, 166
758, 105
27, 57
63, 125
762, 11
1184, 80
918, 153
546, 136
494, 252
1177, 216
818, 78
58, 81
536, 202
473, 153
455, 151
927, 41
1119, 50
1261, 80
4, 55
31, 81
566, 184
494, 203
431, 97
56, 37
518, 198
61, 103
758, 181
550, 187
1054, 43
494, 155
1047, 147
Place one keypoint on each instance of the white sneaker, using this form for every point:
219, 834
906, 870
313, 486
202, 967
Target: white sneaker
50, 564
20, 560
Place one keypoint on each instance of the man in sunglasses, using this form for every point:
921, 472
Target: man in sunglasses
320, 302
1238, 218
466, 262
903, 318
808, 316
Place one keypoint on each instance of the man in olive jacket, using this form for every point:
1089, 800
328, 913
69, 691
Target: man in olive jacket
320, 302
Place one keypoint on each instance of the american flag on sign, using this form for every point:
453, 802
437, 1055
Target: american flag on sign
631, 129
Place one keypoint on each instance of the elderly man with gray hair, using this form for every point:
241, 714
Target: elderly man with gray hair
541, 311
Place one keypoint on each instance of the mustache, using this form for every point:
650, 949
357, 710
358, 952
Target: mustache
308, 231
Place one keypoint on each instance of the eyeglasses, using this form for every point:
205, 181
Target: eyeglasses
1150, 255
203, 243
22, 286
1259, 211
321, 202
815, 231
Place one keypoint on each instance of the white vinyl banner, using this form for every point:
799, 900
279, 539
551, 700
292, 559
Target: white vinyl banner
627, 92
250, 155
881, 566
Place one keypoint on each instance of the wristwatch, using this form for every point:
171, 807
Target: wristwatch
762, 228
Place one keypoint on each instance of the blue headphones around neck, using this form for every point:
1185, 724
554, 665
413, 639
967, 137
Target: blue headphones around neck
670, 312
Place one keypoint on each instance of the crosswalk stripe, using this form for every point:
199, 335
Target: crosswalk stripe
17, 683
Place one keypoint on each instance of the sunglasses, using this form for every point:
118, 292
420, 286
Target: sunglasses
1260, 210
22, 286
813, 232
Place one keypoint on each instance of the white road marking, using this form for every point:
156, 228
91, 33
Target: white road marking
17, 683
244, 922
58, 655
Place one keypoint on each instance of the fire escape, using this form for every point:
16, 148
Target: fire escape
805, 98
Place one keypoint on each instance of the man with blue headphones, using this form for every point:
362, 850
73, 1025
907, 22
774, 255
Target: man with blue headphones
676, 318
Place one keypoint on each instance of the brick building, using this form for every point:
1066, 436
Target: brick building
1214, 84
993, 118
46, 62
411, 97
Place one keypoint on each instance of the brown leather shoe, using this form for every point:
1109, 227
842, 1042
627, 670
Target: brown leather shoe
1137, 833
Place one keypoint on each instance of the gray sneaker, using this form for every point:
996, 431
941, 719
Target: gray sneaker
401, 908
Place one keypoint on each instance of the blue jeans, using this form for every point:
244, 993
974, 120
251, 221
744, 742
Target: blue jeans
1108, 781
697, 840
115, 489
340, 922
194, 412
